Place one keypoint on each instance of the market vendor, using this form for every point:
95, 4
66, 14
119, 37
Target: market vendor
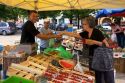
29, 31
93, 38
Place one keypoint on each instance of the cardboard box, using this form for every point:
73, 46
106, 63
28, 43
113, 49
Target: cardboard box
119, 65
28, 48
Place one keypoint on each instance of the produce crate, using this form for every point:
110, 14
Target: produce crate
8, 60
16, 72
15, 79
31, 69
119, 65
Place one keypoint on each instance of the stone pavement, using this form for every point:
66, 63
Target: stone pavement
120, 78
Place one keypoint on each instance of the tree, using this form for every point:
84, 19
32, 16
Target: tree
45, 14
78, 14
7, 12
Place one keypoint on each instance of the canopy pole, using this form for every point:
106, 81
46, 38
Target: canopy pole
35, 4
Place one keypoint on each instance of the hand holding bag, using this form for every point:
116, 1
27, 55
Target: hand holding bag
102, 59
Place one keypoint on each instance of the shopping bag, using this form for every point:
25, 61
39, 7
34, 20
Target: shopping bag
113, 37
64, 53
78, 66
102, 59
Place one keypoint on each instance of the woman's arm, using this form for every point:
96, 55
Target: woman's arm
105, 42
92, 42
48, 36
72, 34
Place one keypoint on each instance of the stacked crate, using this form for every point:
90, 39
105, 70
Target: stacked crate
31, 69
119, 65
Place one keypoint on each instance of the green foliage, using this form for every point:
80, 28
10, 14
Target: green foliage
75, 13
66, 13
78, 14
7, 12
45, 14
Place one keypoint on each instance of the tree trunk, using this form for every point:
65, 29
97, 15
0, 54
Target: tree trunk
78, 20
70, 20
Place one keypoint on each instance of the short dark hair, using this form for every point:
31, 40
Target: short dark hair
91, 21
31, 11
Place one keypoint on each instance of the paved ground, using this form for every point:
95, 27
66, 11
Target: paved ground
120, 78
12, 39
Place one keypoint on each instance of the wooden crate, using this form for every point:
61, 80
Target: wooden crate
8, 60
27, 69
39, 60
119, 65
16, 72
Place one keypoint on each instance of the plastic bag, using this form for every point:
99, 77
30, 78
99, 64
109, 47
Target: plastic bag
113, 37
78, 66
51, 42
64, 53
49, 50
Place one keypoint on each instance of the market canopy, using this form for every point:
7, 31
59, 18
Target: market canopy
109, 12
47, 5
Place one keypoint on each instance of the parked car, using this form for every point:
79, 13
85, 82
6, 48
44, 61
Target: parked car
7, 28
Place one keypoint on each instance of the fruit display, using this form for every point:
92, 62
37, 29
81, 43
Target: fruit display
78, 45
119, 49
112, 44
68, 42
33, 68
66, 76
119, 52
89, 73
39, 66
68, 64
